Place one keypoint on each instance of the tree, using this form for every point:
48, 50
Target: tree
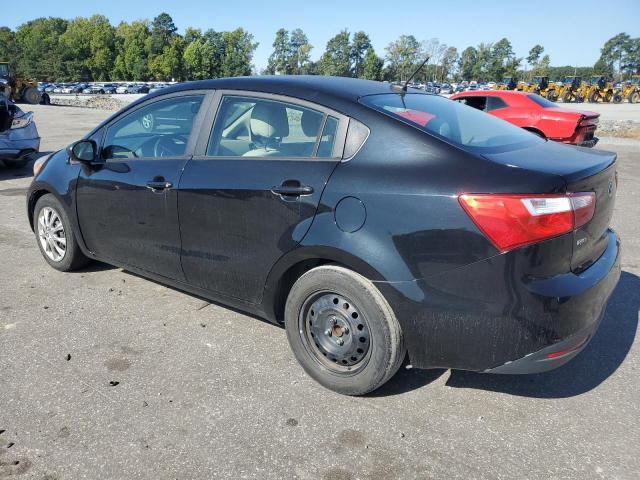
8, 46
533, 58
162, 29
279, 60
131, 60
402, 55
501, 54
359, 45
336, 59
534, 55
481, 67
168, 65
631, 58
88, 46
613, 52
38, 44
372, 65
198, 60
542, 68
300, 49
466, 64
238, 53
449, 60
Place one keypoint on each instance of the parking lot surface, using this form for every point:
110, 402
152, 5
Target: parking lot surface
104, 374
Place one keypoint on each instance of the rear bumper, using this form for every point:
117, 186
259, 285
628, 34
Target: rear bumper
495, 316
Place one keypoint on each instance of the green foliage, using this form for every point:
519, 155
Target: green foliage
466, 64
8, 46
39, 51
300, 53
280, 59
372, 65
162, 31
131, 60
403, 55
88, 47
238, 51
359, 45
336, 59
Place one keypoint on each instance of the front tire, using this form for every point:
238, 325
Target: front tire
594, 97
342, 330
54, 235
617, 98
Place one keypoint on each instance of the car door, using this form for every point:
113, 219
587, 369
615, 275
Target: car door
127, 206
251, 193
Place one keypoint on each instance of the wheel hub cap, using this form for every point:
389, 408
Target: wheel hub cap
335, 331
51, 234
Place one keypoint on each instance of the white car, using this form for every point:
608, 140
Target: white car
123, 88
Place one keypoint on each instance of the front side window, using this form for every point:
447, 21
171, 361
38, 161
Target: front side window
256, 127
161, 129
451, 121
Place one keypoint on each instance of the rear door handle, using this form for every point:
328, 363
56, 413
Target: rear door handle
159, 185
292, 190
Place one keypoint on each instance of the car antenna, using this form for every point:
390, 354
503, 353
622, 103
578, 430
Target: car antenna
402, 90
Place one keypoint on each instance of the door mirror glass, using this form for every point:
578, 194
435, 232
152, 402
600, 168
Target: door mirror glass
6, 114
83, 151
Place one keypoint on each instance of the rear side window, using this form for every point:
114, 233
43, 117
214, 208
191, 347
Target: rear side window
451, 121
494, 103
477, 102
258, 127
543, 102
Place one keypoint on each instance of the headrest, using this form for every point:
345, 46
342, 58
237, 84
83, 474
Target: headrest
269, 120
310, 123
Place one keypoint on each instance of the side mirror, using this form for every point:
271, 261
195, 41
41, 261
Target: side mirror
6, 114
84, 151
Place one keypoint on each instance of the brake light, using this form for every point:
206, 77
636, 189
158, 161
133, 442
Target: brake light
512, 221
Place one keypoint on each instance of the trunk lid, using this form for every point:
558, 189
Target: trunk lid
583, 170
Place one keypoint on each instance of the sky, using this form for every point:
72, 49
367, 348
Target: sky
572, 31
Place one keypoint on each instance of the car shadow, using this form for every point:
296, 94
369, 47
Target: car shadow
597, 362
7, 173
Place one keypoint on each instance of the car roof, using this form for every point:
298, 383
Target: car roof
308, 87
493, 93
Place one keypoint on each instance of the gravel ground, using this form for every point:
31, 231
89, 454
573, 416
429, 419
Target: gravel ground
104, 374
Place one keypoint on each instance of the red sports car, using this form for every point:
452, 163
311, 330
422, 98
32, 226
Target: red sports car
536, 114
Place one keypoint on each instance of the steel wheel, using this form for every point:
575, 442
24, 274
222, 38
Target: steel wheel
335, 332
51, 234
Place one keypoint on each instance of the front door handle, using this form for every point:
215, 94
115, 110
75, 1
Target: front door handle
292, 189
157, 185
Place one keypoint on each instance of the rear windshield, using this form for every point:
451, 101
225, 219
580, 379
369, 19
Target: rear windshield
456, 123
543, 102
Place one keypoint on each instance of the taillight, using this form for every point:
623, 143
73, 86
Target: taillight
511, 221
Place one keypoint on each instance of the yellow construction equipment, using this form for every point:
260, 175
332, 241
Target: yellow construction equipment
16, 88
629, 90
601, 89
507, 83
568, 90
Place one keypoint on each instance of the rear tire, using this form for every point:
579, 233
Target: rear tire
567, 97
342, 331
617, 98
594, 97
31, 95
551, 96
634, 97
54, 235
607, 97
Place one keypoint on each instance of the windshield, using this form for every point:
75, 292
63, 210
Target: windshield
452, 121
543, 102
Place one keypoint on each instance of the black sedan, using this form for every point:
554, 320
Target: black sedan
371, 222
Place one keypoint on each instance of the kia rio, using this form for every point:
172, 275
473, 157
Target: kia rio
372, 222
